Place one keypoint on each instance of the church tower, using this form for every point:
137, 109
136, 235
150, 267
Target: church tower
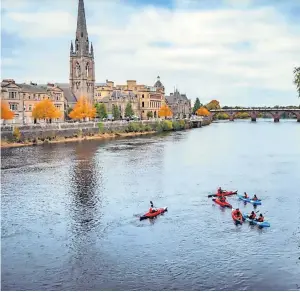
82, 66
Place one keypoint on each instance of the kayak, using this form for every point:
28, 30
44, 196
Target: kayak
153, 215
222, 204
229, 193
235, 219
248, 200
254, 222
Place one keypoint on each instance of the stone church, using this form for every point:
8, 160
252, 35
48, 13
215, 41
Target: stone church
82, 65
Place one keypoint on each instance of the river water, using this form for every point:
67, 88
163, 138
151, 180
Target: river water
70, 211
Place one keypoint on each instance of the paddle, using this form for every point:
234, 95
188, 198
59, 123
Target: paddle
215, 195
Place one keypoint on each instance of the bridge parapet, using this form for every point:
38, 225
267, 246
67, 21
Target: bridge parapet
253, 112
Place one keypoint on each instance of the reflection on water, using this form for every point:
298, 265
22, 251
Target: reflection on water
70, 212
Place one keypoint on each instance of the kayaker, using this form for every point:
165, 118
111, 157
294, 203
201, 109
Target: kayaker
260, 218
222, 199
238, 214
254, 198
245, 195
152, 209
252, 215
220, 190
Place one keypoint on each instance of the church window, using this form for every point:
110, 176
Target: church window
87, 68
143, 104
77, 69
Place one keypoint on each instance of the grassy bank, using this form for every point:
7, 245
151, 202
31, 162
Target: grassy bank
130, 130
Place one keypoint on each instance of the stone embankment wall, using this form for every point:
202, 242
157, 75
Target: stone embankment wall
69, 130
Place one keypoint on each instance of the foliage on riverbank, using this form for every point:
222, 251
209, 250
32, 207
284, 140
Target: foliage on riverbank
160, 126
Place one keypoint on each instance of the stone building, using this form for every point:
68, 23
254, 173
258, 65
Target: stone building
82, 65
22, 97
179, 104
143, 98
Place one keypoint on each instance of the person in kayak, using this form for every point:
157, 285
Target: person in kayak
245, 195
238, 214
260, 218
222, 199
254, 198
152, 209
252, 215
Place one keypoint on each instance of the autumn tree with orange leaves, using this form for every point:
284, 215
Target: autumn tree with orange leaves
214, 104
83, 109
6, 113
202, 111
165, 111
45, 109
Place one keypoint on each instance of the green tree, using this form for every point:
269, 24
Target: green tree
197, 105
149, 115
101, 110
128, 110
297, 79
116, 112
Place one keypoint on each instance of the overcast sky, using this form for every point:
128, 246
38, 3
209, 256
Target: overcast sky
240, 52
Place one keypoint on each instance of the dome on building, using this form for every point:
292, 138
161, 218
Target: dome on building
158, 83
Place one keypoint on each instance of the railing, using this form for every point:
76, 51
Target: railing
255, 109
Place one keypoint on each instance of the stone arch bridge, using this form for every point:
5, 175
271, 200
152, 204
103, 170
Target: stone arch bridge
253, 112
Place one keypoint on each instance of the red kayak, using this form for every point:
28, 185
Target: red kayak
223, 204
235, 218
153, 215
226, 193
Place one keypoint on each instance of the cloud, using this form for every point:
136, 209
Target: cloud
239, 54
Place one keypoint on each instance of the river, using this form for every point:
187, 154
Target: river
70, 211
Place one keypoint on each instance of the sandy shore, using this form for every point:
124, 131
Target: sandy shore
74, 139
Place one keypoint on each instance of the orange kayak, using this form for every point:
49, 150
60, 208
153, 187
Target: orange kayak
154, 214
223, 204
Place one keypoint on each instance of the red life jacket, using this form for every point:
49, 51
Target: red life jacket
261, 219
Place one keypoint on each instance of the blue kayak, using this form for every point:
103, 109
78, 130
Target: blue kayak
254, 222
253, 202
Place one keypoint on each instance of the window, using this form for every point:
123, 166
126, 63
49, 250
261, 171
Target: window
142, 95
12, 95
58, 97
13, 106
30, 107
143, 104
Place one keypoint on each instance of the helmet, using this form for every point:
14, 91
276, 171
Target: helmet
260, 214
252, 212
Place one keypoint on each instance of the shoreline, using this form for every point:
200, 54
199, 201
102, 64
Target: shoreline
5, 145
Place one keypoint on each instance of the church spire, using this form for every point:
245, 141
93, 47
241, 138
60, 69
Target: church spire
81, 31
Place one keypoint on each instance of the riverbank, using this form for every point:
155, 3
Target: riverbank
104, 136
71, 132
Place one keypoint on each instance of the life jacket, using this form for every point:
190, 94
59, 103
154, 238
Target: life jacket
254, 199
261, 219
252, 216
245, 196
150, 210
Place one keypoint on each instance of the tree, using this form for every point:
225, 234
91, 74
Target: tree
202, 111
45, 109
214, 104
101, 110
116, 112
297, 79
197, 105
83, 109
165, 111
128, 110
6, 113
149, 114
